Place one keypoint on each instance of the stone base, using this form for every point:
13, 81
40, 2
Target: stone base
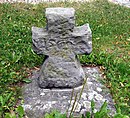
38, 101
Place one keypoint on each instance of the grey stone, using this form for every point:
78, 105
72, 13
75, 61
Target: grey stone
61, 41
125, 3
39, 101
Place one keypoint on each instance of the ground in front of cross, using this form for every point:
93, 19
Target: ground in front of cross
40, 101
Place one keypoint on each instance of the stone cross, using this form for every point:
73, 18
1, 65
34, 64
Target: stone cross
61, 41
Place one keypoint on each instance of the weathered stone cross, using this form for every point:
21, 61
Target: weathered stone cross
61, 41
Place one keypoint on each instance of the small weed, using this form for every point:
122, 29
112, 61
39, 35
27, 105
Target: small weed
102, 113
19, 113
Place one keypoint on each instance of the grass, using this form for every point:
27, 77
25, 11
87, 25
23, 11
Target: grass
110, 25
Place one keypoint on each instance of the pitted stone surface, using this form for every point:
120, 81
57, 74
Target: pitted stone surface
61, 41
40, 101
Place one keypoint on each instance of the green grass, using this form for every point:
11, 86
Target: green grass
110, 25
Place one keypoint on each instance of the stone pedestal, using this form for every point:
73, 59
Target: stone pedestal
40, 101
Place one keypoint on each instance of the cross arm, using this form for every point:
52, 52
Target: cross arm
39, 38
82, 39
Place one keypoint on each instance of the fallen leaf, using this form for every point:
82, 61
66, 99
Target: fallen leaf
36, 68
27, 81
117, 43
122, 85
128, 39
